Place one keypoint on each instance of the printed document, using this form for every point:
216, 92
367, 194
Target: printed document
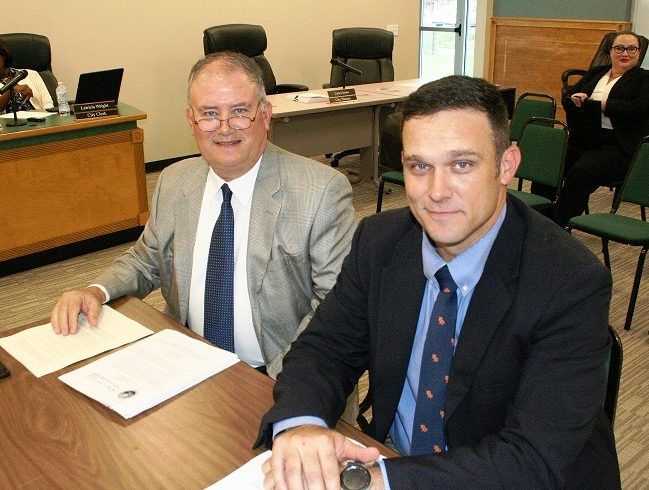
42, 351
147, 372
250, 475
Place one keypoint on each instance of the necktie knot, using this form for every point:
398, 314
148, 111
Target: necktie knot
445, 280
227, 193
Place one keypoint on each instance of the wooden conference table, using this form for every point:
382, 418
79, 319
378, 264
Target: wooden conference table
63, 181
52, 436
318, 128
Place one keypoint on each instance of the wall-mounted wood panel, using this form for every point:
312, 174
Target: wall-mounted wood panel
531, 54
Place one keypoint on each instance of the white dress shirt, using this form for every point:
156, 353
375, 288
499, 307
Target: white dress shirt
246, 345
600, 92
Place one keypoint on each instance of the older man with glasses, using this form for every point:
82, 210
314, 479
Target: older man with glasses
244, 240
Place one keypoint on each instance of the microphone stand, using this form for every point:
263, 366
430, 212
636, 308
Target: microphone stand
15, 122
345, 77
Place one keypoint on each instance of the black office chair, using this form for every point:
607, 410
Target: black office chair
571, 76
32, 51
250, 40
613, 374
367, 49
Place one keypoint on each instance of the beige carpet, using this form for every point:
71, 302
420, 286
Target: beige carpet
29, 296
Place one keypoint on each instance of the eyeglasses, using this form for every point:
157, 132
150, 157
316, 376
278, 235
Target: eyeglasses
211, 124
619, 49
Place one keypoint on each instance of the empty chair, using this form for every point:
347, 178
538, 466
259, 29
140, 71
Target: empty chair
624, 229
32, 51
250, 40
543, 144
367, 49
530, 105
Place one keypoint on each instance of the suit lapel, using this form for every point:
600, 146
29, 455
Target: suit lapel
263, 217
491, 300
399, 303
620, 87
189, 209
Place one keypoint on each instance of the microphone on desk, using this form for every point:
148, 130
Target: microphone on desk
345, 66
14, 81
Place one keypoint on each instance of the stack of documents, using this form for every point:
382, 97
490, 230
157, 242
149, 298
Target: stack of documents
42, 351
149, 371
308, 97
130, 380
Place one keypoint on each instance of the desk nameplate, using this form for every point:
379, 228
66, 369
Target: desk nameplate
95, 110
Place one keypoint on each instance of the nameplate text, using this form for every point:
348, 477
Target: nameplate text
95, 110
341, 95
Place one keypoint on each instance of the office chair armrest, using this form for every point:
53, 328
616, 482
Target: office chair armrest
284, 88
571, 72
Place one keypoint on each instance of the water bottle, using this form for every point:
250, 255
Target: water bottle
62, 99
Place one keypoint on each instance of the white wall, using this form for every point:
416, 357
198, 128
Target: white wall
640, 19
157, 41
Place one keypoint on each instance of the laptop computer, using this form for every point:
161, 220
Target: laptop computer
99, 86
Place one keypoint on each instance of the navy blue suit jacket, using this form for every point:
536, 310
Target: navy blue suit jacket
523, 407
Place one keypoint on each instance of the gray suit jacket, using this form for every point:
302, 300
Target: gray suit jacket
301, 225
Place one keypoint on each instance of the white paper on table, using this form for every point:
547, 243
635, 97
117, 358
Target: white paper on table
42, 351
249, 475
26, 114
147, 372
308, 97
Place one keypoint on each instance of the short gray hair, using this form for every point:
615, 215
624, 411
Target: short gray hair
229, 62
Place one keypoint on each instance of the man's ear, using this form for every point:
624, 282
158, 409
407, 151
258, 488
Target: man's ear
509, 163
189, 116
267, 113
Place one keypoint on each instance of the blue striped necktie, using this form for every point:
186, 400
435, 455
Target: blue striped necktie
428, 424
218, 324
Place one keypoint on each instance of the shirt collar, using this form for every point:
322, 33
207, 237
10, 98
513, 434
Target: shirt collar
242, 187
467, 267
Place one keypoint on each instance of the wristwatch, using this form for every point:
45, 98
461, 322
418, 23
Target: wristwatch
354, 476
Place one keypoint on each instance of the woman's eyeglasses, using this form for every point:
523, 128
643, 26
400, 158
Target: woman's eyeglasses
619, 49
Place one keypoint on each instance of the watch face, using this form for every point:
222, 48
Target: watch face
354, 476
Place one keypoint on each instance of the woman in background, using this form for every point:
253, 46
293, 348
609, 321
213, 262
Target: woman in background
30, 94
620, 93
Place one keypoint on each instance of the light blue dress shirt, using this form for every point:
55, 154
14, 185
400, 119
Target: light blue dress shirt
466, 270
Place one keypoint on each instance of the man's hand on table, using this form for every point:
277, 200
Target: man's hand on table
66, 311
309, 457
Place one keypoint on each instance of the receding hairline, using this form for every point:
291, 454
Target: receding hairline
227, 63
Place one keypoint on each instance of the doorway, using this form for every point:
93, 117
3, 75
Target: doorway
447, 38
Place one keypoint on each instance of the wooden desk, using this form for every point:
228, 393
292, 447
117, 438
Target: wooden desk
319, 128
63, 181
51, 436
